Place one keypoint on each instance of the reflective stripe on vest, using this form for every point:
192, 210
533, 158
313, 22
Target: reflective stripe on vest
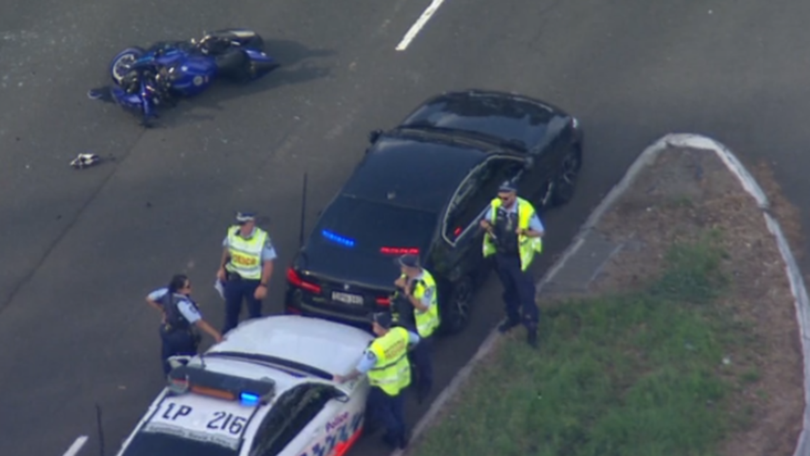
428, 321
392, 373
528, 246
246, 254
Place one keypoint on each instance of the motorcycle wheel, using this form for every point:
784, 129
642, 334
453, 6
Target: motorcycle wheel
118, 69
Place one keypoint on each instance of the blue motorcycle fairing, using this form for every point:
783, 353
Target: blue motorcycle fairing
258, 56
126, 100
134, 101
192, 73
184, 72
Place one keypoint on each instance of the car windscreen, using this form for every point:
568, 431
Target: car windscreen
162, 444
367, 227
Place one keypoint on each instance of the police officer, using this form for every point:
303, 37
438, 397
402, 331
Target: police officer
417, 286
179, 314
514, 234
245, 268
386, 363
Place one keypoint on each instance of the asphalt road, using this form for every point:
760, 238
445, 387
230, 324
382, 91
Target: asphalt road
82, 248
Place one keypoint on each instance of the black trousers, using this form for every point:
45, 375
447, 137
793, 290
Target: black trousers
176, 342
518, 291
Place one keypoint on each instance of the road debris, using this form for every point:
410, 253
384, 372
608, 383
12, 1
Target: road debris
85, 160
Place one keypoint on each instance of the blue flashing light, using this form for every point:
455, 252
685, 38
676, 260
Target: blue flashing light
249, 398
344, 241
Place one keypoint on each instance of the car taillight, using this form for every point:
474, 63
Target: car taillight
384, 301
399, 251
297, 281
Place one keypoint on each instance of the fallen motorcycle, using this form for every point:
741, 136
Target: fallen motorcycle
146, 79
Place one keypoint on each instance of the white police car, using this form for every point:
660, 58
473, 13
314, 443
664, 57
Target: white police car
266, 390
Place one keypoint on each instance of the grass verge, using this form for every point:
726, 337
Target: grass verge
639, 374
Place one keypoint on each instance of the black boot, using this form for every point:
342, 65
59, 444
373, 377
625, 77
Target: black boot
403, 440
507, 325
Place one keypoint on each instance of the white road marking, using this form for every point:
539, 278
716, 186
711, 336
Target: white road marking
419, 24
77, 446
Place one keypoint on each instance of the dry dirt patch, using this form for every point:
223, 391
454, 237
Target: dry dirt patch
680, 198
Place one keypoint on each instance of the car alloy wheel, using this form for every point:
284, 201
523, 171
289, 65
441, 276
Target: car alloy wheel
566, 181
457, 313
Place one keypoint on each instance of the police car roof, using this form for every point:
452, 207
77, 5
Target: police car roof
327, 346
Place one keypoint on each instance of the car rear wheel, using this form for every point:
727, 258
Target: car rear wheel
456, 312
566, 181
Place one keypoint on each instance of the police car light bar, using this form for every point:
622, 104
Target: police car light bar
197, 380
336, 238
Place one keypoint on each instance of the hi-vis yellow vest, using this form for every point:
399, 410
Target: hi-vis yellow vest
428, 321
246, 254
527, 246
392, 373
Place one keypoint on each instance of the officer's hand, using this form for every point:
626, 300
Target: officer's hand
485, 224
218, 338
260, 293
337, 379
400, 282
221, 274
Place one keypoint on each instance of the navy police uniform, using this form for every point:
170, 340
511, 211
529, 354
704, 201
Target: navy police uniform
176, 332
513, 254
420, 286
245, 258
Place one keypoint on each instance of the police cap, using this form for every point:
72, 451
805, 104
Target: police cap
244, 217
384, 319
507, 187
409, 261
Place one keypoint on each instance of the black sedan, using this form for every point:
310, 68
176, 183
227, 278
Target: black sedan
422, 188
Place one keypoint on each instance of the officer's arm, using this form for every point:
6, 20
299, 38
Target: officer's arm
226, 254
423, 304
194, 317
485, 222
268, 255
205, 326
413, 339
153, 297
536, 228
365, 364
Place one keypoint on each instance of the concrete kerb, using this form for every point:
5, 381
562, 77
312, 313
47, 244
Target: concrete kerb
648, 156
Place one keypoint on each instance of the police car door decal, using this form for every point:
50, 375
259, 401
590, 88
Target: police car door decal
340, 430
218, 422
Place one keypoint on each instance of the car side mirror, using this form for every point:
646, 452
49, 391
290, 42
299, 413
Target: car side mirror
374, 136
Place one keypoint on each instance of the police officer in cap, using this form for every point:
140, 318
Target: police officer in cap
245, 268
180, 314
417, 287
386, 363
514, 235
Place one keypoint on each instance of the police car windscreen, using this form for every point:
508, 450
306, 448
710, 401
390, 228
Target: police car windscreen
189, 425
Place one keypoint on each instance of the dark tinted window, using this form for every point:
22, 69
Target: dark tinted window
294, 410
364, 226
496, 116
158, 444
478, 192
411, 172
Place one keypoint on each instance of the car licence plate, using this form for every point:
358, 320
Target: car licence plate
347, 298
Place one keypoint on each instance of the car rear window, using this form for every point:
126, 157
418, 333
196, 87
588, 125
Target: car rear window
160, 444
365, 226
